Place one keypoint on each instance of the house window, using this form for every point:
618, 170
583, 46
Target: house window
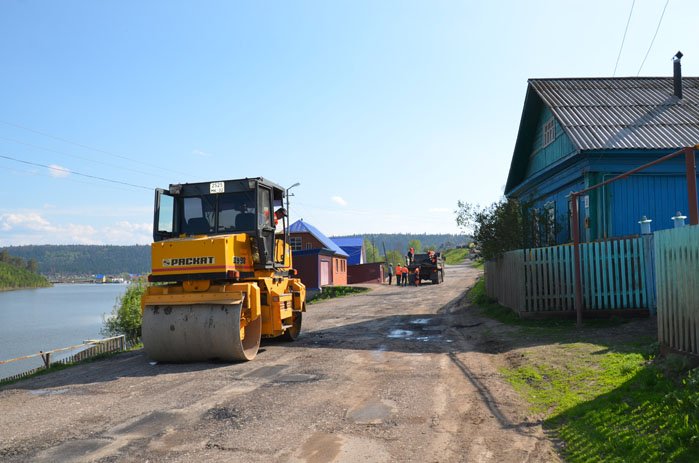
309, 245
550, 217
534, 228
295, 243
549, 132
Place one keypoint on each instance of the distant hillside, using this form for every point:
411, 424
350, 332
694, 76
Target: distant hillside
65, 260
14, 277
69, 260
399, 241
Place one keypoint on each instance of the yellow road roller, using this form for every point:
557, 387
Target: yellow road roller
222, 275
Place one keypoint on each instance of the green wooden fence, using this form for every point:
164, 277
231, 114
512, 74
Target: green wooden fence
614, 277
677, 288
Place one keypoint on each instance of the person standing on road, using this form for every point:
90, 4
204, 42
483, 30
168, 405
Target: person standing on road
390, 274
399, 270
406, 272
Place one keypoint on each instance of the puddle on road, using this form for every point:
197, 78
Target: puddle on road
400, 334
48, 391
421, 321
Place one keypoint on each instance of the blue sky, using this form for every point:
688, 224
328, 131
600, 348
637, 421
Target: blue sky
386, 112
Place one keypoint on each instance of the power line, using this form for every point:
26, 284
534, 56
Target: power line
628, 21
654, 35
99, 150
67, 171
51, 150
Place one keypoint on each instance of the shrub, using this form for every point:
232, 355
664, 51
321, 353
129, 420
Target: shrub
126, 315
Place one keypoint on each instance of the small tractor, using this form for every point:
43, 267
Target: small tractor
222, 276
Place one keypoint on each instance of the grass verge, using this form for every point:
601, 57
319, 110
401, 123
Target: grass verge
332, 292
602, 390
455, 256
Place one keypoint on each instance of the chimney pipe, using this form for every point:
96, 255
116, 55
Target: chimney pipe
677, 74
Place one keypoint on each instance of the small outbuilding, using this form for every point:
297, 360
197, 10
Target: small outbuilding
318, 260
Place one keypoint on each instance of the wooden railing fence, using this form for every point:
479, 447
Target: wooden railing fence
677, 288
96, 347
539, 280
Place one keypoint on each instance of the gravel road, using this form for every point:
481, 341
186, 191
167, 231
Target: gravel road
393, 375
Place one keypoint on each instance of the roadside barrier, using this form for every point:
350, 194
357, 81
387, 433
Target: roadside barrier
90, 349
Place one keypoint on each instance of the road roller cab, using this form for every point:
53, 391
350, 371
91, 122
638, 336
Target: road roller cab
222, 274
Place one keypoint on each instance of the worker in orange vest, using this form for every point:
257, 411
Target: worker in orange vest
399, 273
417, 276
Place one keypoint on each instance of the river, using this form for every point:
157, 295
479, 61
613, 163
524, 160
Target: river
50, 318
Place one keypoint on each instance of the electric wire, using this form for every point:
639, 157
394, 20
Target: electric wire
654, 35
68, 171
99, 150
51, 150
628, 21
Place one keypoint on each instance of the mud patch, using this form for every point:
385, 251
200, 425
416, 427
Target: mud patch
296, 378
228, 415
267, 372
372, 412
149, 425
77, 450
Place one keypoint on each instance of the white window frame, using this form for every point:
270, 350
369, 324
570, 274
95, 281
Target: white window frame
295, 242
549, 132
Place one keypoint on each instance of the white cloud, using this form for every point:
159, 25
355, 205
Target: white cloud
339, 200
27, 221
128, 233
58, 171
201, 153
31, 228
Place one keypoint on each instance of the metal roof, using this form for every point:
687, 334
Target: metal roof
348, 241
304, 227
623, 113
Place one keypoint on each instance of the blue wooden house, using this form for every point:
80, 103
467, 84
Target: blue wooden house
577, 132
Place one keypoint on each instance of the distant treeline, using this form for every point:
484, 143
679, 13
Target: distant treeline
53, 260
69, 260
16, 273
399, 241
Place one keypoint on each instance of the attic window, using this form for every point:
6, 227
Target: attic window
549, 132
295, 243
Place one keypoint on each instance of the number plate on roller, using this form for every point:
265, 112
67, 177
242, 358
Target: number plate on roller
216, 187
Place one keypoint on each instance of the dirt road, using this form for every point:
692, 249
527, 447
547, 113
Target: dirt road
393, 375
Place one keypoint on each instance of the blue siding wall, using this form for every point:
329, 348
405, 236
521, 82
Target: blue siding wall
658, 197
543, 156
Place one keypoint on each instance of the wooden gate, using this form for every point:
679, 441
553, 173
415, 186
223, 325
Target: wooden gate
677, 288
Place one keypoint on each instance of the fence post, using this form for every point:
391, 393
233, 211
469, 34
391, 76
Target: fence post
576, 260
691, 168
46, 357
649, 261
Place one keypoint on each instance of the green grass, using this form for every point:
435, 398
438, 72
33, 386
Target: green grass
331, 292
455, 256
605, 395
